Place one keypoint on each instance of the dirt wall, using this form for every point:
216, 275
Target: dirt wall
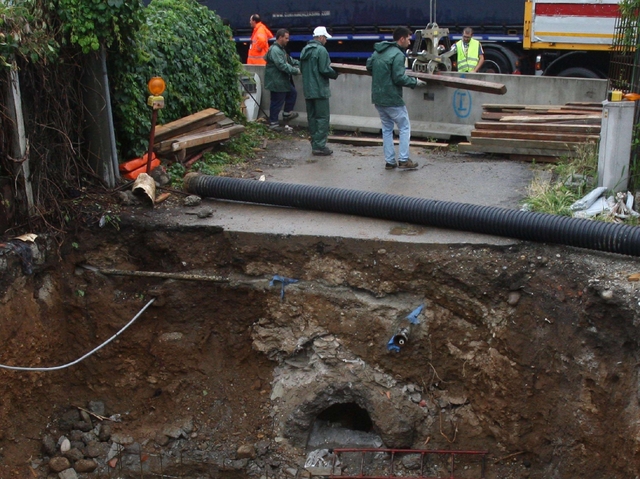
525, 350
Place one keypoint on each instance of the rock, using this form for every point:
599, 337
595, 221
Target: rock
68, 474
292, 471
173, 431
127, 198
85, 465
64, 443
514, 297
161, 439
85, 416
262, 447
105, 432
114, 451
74, 454
49, 446
416, 397
411, 461
122, 439
83, 426
192, 200
246, 451
59, 463
606, 294
97, 407
97, 449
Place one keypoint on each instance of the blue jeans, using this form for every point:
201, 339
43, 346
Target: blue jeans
279, 98
390, 116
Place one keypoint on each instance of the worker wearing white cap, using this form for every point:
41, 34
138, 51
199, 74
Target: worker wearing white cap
315, 65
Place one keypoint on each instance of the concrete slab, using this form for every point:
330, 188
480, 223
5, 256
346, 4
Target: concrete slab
442, 175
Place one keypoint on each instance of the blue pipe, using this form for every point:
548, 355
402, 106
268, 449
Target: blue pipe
491, 220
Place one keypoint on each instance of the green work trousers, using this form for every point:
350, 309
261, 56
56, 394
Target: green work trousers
318, 119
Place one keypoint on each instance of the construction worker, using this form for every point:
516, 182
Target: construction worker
470, 54
278, 80
316, 72
259, 41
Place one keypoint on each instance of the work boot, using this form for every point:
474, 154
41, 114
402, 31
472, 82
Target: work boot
322, 152
290, 116
276, 127
407, 164
390, 166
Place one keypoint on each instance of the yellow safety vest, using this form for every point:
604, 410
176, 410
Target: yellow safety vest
468, 60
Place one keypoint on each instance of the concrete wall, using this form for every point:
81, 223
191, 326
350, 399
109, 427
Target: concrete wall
441, 112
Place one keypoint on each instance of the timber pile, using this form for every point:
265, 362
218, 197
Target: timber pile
535, 132
194, 133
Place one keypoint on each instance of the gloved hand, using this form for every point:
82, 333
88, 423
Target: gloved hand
420, 82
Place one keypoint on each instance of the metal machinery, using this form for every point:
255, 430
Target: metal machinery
431, 50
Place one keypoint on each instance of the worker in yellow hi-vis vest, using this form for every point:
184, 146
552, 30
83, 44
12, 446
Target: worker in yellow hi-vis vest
470, 55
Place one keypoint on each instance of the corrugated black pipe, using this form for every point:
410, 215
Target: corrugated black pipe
597, 235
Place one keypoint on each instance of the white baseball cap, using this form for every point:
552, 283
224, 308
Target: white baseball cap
321, 32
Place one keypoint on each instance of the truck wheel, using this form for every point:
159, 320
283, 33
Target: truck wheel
495, 62
578, 72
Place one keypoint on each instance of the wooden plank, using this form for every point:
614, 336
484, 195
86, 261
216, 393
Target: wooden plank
566, 111
447, 81
566, 128
361, 141
585, 103
550, 118
205, 138
522, 144
188, 123
513, 150
538, 136
495, 106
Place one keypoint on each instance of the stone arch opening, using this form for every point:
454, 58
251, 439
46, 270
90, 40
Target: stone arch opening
347, 415
343, 425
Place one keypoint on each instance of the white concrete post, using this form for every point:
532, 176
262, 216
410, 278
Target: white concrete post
615, 144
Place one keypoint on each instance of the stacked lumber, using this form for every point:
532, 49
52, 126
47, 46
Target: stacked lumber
535, 132
194, 133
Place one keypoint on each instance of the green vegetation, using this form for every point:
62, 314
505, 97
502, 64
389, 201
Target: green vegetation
188, 46
571, 179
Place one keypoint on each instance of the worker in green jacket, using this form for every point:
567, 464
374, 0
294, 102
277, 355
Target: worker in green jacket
316, 72
279, 81
388, 71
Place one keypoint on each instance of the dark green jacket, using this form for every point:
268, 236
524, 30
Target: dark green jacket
387, 68
316, 70
280, 67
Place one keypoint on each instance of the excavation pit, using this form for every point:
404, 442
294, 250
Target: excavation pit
527, 351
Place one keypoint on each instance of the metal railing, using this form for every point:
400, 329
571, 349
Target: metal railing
396, 454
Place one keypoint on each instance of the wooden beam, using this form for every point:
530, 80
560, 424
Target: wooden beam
205, 138
564, 128
526, 144
361, 141
513, 150
447, 81
538, 136
550, 118
188, 123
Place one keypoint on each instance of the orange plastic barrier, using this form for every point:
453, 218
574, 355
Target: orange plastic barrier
132, 168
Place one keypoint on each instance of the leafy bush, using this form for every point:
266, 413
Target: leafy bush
190, 48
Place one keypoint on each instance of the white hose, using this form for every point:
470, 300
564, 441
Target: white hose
18, 368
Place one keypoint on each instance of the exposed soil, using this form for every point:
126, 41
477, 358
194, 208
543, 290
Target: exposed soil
529, 352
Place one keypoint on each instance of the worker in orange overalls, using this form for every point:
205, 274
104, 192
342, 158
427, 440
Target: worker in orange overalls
259, 41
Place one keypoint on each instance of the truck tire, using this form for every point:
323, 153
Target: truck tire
578, 72
496, 61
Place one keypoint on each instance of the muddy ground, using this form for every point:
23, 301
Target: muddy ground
528, 352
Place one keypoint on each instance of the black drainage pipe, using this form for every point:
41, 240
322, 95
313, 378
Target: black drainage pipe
545, 228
